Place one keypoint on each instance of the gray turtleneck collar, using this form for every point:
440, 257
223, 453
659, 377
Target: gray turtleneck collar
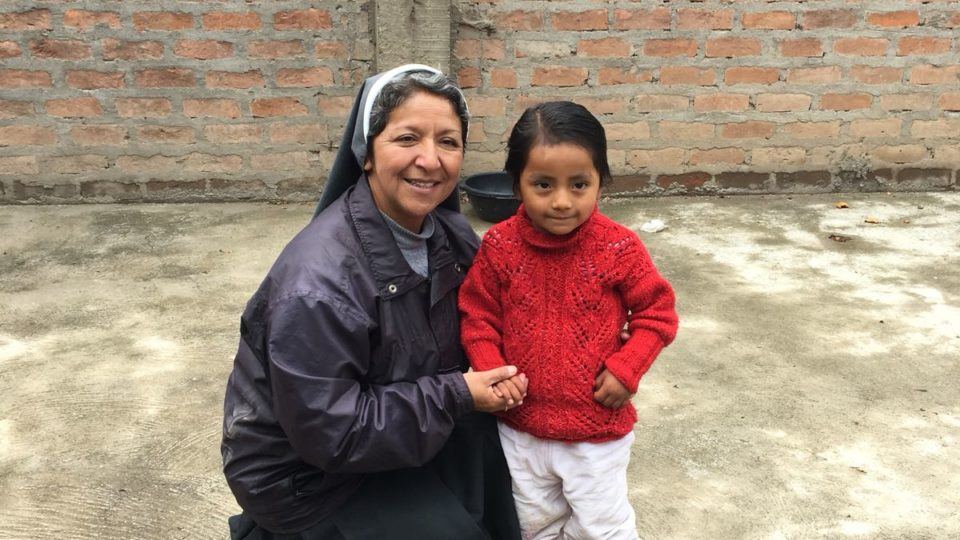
413, 246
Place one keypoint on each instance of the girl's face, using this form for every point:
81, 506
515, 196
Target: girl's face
559, 187
416, 159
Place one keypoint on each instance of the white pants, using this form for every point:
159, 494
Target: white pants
570, 490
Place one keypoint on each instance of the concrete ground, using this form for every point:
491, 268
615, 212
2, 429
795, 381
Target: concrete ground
812, 391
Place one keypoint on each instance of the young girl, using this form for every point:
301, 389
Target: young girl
549, 292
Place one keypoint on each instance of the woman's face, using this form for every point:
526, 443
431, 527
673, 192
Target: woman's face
416, 159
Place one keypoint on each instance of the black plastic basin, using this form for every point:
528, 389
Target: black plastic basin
491, 195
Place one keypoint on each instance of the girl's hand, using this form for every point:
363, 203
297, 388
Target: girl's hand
481, 385
513, 390
609, 391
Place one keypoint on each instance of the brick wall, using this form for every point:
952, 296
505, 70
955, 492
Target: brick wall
140, 100
188, 100
729, 96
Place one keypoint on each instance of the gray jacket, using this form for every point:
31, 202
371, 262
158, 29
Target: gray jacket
349, 363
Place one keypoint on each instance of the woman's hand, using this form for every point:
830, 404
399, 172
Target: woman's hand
609, 391
486, 398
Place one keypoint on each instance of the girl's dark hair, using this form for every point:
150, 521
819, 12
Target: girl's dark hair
397, 91
556, 122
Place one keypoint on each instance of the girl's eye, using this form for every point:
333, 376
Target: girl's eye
541, 185
580, 185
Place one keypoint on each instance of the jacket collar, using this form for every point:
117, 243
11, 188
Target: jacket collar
390, 270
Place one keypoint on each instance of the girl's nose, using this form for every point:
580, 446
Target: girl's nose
561, 200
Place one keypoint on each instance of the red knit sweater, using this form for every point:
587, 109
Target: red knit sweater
554, 306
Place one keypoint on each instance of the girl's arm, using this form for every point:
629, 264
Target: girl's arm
481, 312
652, 321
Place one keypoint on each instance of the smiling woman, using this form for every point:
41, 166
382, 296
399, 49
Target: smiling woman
350, 412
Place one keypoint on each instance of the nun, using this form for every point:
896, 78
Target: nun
350, 412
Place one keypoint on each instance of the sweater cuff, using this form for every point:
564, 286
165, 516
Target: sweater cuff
484, 355
629, 364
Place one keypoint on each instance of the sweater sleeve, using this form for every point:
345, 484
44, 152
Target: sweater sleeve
652, 321
481, 312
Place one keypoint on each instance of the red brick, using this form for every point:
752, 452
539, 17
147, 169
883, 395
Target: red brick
492, 49
721, 102
558, 76
717, 156
282, 106
142, 107
687, 75
670, 130
131, 50
310, 134
905, 153
275, 49
876, 75
211, 163
469, 77
812, 130
99, 135
911, 45
751, 75
647, 19
74, 164
85, 20
816, 75
770, 20
503, 78
166, 134
74, 107
894, 19
661, 158
231, 20
35, 19
233, 133
650, 103
165, 78
742, 180
21, 78
487, 106
60, 49
146, 164
330, 49
806, 47
107, 188
9, 49
304, 77
706, 19
162, 20
941, 128
605, 47
207, 108
203, 49
626, 131
595, 19
783, 102
730, 47
748, 130
303, 19
16, 109
232, 79
689, 181
950, 102
91, 80
906, 102
887, 127
927, 74
861, 46
163, 188
845, 102
287, 161
519, 20
670, 47
337, 106
27, 136
17, 165
623, 76
599, 106
829, 18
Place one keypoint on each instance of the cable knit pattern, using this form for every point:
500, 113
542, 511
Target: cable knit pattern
553, 306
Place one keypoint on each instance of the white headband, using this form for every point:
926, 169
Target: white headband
381, 82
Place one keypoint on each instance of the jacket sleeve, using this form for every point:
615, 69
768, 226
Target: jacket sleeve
318, 352
481, 312
652, 321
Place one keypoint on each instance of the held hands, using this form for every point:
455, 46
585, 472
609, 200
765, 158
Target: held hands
497, 389
609, 391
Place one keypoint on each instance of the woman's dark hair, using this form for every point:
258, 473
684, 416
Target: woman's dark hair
397, 91
556, 122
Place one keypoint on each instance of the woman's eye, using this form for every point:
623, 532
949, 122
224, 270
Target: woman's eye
450, 143
406, 139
